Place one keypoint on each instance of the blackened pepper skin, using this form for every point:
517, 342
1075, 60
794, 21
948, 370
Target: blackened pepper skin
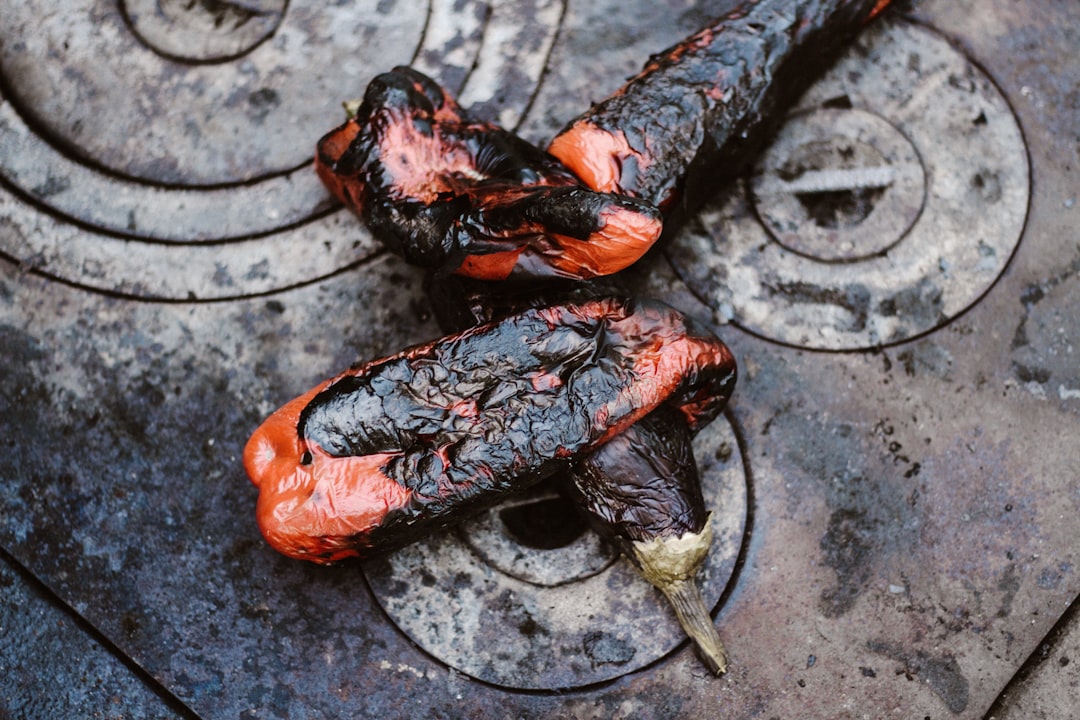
394, 448
355, 465
699, 111
644, 485
641, 489
449, 192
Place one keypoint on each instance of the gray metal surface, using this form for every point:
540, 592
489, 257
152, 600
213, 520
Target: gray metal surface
55, 668
566, 606
172, 272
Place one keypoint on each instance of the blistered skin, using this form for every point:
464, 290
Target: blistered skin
452, 193
639, 486
640, 489
394, 448
699, 111
643, 492
643, 484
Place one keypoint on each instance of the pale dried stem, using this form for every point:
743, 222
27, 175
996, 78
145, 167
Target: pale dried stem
671, 564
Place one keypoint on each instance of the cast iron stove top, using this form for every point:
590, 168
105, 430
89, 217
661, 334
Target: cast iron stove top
895, 485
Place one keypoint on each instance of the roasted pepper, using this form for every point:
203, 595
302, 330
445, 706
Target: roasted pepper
449, 192
394, 448
699, 111
608, 390
640, 490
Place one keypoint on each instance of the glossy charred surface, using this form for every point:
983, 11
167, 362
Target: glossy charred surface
450, 192
392, 448
699, 111
641, 490
643, 484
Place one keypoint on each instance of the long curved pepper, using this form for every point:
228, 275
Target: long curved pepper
699, 111
642, 492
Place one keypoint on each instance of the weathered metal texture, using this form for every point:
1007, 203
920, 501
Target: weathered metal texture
889, 203
1049, 686
53, 669
563, 602
106, 138
911, 510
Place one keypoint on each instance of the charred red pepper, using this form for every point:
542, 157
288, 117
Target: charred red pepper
394, 448
608, 390
449, 192
641, 489
699, 111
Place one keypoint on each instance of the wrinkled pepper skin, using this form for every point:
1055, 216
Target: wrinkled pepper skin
643, 484
397, 447
452, 193
641, 489
701, 110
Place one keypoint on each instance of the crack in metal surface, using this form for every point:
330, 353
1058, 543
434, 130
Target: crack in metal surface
38, 587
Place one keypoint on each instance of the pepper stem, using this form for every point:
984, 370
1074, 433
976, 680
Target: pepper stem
689, 608
351, 108
671, 565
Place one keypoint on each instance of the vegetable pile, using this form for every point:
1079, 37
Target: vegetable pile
532, 382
